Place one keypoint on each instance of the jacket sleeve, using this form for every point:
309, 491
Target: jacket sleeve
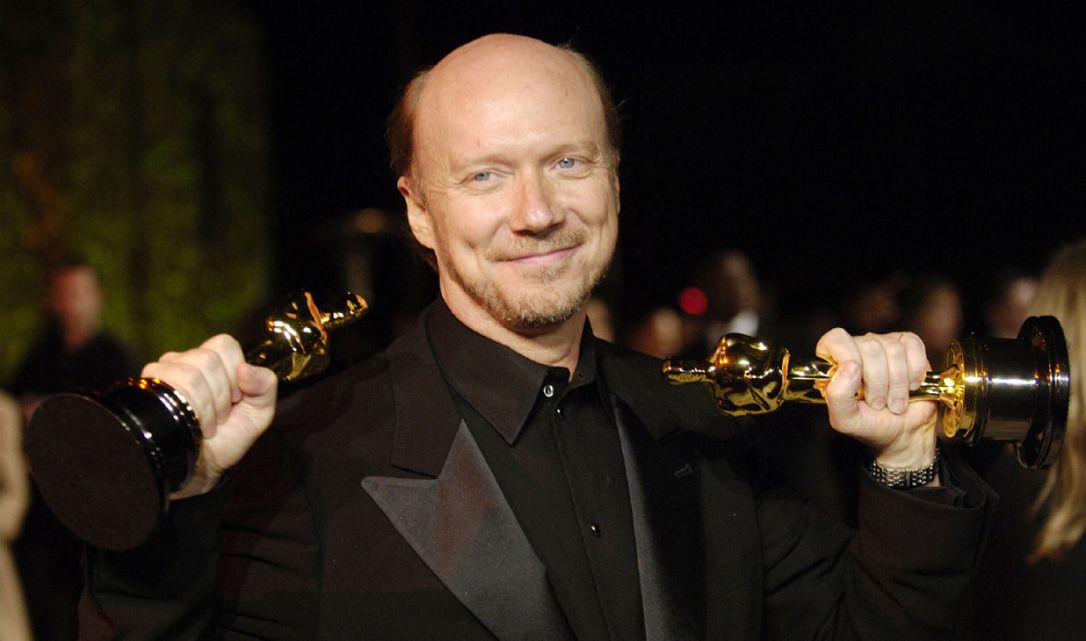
165, 588
900, 575
238, 562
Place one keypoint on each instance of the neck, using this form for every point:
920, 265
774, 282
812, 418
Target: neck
557, 345
76, 336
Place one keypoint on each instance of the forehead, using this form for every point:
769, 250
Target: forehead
75, 277
482, 99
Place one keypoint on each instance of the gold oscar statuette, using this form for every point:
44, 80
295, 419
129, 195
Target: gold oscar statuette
106, 463
1014, 390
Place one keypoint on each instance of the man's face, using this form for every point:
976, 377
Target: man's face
513, 187
75, 298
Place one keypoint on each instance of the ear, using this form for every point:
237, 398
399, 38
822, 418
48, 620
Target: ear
616, 189
418, 216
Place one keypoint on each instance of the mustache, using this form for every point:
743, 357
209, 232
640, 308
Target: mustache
521, 246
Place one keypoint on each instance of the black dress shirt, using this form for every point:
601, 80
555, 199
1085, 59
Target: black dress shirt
551, 441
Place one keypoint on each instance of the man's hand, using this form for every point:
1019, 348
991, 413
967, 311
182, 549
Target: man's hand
234, 402
888, 366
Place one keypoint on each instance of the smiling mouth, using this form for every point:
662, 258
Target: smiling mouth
542, 258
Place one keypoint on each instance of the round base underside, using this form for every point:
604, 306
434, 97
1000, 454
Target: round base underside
93, 472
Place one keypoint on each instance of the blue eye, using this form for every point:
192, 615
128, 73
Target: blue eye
567, 163
483, 176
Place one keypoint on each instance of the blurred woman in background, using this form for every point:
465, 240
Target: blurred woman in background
13, 502
1061, 505
1031, 582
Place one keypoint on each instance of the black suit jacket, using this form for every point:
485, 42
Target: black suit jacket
368, 512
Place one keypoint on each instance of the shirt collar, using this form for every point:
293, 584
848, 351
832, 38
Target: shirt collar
499, 383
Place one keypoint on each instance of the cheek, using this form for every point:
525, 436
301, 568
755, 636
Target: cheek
467, 229
596, 203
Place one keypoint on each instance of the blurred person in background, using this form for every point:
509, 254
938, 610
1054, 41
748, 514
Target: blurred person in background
659, 333
13, 502
873, 305
1031, 582
1008, 303
603, 321
731, 299
72, 354
932, 309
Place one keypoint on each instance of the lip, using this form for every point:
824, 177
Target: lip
543, 259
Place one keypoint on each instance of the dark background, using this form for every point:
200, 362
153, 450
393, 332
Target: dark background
833, 143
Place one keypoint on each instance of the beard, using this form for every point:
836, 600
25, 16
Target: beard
548, 300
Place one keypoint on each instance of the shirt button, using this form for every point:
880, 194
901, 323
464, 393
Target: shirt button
594, 529
559, 412
548, 390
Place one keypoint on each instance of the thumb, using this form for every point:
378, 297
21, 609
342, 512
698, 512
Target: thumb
258, 386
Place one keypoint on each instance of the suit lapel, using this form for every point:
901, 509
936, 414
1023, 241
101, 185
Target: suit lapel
658, 425
458, 521
463, 528
664, 506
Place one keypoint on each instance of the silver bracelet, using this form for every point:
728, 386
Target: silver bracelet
903, 478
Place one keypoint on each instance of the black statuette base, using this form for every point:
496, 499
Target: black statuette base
106, 464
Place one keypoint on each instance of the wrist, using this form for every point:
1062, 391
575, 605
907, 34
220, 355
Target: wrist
909, 476
913, 452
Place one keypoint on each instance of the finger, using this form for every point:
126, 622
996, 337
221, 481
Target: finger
210, 365
258, 384
258, 406
897, 398
190, 383
231, 354
843, 408
917, 355
876, 371
837, 346
168, 356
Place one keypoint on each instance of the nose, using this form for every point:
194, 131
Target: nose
534, 209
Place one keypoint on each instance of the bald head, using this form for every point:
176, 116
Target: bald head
496, 62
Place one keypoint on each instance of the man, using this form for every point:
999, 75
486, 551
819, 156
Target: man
498, 473
73, 354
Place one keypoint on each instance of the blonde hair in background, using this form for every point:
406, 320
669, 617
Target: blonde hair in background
14, 498
1062, 502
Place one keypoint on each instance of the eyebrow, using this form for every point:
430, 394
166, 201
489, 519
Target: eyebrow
586, 147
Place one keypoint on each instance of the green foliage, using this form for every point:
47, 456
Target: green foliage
165, 176
19, 296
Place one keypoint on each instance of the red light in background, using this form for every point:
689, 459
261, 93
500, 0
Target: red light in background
693, 301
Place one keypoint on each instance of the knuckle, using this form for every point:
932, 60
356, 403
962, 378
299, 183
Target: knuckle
192, 378
835, 335
222, 342
870, 349
894, 348
910, 337
203, 358
912, 341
